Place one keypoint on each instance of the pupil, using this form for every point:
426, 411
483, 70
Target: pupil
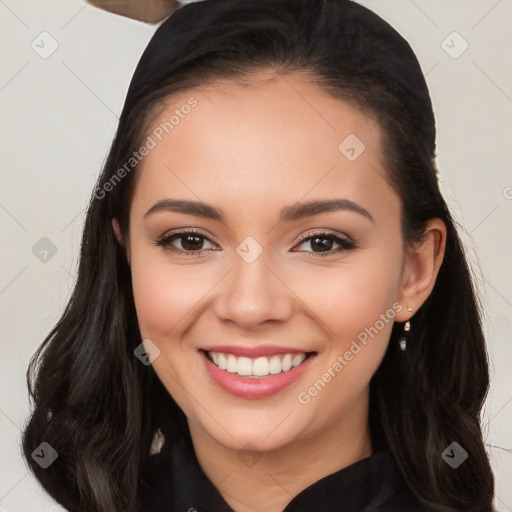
327, 245
322, 243
188, 238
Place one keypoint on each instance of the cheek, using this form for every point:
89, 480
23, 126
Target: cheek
164, 293
351, 297
355, 305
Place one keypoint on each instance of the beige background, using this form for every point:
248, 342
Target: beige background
59, 114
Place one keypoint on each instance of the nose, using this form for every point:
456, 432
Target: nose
253, 293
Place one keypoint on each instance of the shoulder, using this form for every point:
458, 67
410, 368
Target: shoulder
394, 495
401, 502
153, 489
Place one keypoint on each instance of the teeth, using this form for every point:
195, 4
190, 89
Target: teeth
232, 364
244, 366
222, 362
298, 359
286, 363
275, 365
259, 367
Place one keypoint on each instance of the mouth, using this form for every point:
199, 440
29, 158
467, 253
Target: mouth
256, 367
258, 376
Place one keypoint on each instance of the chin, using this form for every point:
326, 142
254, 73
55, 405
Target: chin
265, 428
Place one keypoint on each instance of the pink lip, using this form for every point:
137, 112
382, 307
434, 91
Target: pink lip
254, 352
254, 387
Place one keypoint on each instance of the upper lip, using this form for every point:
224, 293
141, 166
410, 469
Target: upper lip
256, 351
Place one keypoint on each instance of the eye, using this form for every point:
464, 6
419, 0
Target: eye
191, 242
325, 243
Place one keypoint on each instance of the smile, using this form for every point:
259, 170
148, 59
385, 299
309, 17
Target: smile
255, 377
259, 367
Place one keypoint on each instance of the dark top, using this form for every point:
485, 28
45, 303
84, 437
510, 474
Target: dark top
176, 482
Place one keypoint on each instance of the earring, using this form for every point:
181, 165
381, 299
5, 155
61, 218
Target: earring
403, 340
157, 443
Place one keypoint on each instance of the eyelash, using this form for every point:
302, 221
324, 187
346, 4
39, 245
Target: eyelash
346, 245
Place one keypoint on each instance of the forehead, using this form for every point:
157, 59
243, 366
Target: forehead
274, 140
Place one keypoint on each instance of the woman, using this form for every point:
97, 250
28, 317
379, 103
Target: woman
273, 309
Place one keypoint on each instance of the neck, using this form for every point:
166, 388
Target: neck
270, 480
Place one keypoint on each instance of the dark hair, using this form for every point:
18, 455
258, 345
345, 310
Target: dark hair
99, 407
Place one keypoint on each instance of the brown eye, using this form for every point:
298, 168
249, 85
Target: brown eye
322, 244
192, 242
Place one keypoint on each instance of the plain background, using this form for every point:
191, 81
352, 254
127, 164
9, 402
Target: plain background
58, 117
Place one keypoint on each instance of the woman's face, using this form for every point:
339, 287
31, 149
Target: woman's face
270, 277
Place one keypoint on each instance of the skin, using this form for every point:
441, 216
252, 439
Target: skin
251, 151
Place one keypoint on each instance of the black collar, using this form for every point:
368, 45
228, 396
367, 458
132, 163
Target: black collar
173, 480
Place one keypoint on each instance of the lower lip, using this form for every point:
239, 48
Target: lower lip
254, 387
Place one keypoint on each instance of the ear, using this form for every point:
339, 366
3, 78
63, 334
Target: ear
119, 236
117, 231
421, 267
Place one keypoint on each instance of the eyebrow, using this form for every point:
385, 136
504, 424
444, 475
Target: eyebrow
288, 214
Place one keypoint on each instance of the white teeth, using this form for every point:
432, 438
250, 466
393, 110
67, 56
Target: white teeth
286, 363
244, 366
222, 363
298, 359
259, 367
232, 364
275, 365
